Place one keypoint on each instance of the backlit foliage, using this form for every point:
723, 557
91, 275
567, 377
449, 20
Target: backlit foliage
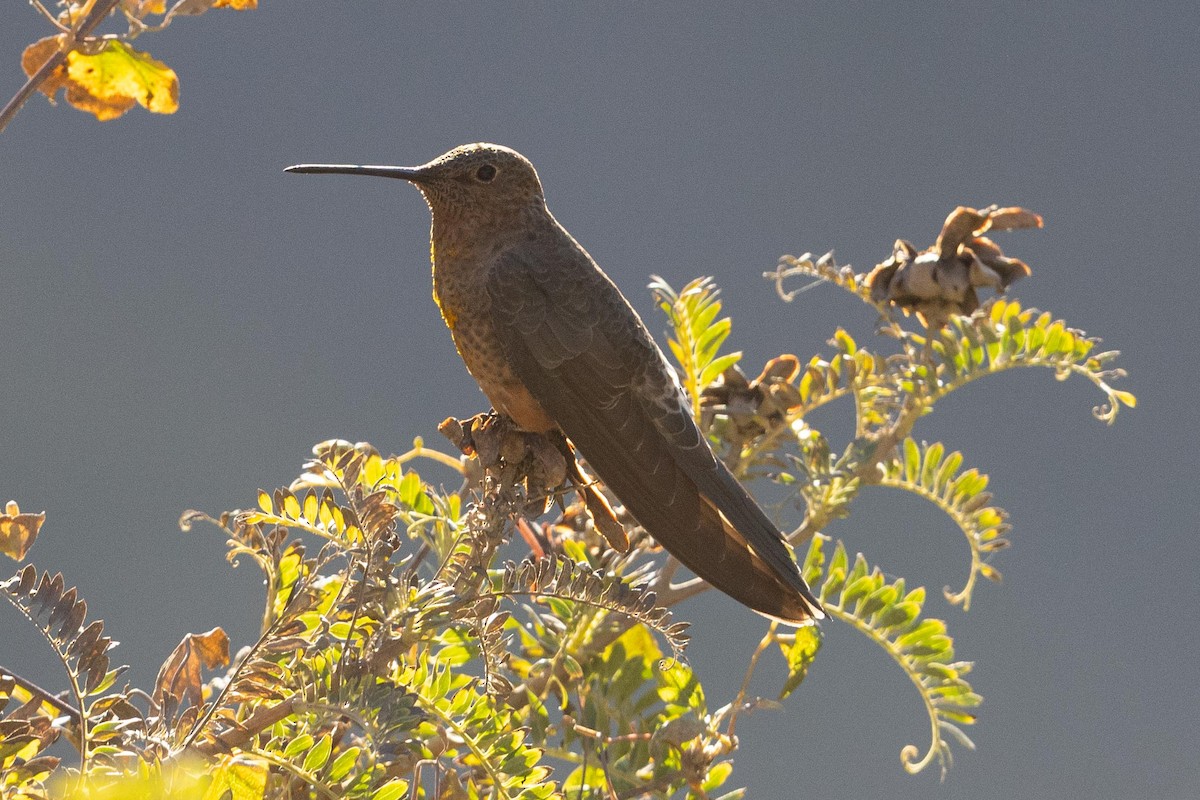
104, 74
411, 647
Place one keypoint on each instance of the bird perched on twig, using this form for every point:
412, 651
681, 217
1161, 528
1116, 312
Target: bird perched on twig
555, 346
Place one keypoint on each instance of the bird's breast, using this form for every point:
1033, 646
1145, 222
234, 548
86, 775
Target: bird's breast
460, 290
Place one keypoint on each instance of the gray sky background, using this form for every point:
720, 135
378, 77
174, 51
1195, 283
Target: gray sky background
180, 321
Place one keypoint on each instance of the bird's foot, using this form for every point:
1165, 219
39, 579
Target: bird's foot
510, 455
543, 463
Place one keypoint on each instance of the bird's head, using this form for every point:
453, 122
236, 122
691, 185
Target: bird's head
480, 180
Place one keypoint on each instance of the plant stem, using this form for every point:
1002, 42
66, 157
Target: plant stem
738, 701
61, 707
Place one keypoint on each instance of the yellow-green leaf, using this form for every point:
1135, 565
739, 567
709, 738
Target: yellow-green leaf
298, 745
238, 778
391, 790
799, 652
109, 82
344, 763
717, 775
718, 366
1127, 398
317, 757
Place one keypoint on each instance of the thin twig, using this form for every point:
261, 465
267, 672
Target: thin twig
674, 593
45, 12
663, 582
246, 730
419, 450
61, 706
740, 700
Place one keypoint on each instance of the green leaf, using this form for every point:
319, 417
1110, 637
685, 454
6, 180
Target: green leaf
799, 650
342, 765
736, 794
717, 367
717, 775
1006, 337
922, 649
927, 471
490, 734
697, 333
319, 755
392, 790
298, 745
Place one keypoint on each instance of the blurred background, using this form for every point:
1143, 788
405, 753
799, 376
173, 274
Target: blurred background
180, 321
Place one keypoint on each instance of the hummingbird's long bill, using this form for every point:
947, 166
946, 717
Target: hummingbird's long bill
403, 173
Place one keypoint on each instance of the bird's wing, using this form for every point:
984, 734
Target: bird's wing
585, 356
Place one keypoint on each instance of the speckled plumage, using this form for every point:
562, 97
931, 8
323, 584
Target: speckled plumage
553, 344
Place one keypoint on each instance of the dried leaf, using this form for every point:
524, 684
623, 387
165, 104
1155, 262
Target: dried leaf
39, 53
192, 8
943, 280
1014, 218
958, 228
18, 531
605, 518
179, 680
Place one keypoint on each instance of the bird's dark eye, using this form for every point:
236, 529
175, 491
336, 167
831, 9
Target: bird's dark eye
485, 173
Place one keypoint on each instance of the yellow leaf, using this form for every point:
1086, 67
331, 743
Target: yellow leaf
140, 8
638, 641
238, 778
108, 83
237, 5
1127, 398
17, 531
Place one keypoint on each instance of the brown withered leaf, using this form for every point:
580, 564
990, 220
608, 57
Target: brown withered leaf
34, 769
102, 108
49, 590
1013, 218
453, 430
192, 8
550, 460
179, 680
36, 55
604, 518
68, 614
783, 368
958, 228
18, 531
943, 280
753, 407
